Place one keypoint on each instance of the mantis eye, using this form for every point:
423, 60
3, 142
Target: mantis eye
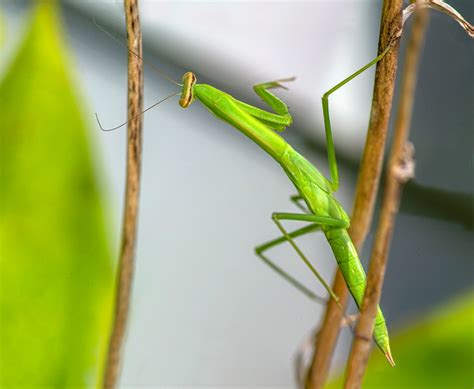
187, 96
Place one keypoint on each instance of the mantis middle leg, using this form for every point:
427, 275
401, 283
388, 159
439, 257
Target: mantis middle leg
333, 172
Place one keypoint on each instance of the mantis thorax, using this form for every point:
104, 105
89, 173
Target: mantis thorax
187, 96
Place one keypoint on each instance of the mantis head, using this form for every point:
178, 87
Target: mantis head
187, 96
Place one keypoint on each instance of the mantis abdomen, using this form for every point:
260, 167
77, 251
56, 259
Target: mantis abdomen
329, 215
354, 275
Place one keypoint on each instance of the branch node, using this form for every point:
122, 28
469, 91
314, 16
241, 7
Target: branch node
404, 168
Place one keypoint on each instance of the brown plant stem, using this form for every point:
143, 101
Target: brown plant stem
367, 185
441, 6
130, 212
400, 169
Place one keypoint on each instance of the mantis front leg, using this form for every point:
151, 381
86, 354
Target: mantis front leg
277, 121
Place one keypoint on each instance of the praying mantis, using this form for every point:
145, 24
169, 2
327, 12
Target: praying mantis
321, 209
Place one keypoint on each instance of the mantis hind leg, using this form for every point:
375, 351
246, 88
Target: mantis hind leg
259, 250
296, 199
318, 221
321, 221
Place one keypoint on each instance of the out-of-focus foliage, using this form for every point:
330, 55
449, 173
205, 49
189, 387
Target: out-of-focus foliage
55, 264
437, 352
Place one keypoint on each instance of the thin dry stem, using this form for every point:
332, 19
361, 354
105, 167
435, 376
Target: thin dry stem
401, 169
440, 6
367, 185
130, 212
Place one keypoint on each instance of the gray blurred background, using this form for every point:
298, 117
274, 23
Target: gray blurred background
205, 311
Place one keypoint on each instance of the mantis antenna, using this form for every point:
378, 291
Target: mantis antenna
133, 117
157, 69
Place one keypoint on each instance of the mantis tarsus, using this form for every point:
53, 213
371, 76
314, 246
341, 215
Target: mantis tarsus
323, 211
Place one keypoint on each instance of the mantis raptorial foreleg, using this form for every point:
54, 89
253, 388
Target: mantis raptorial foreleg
277, 105
277, 121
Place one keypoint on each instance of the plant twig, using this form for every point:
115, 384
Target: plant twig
367, 185
440, 6
400, 169
130, 212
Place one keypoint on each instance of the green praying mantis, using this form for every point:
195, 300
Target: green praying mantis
322, 210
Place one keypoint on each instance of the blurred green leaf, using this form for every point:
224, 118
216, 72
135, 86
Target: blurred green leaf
55, 264
437, 352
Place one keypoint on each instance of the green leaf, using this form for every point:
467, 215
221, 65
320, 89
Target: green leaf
437, 352
55, 263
